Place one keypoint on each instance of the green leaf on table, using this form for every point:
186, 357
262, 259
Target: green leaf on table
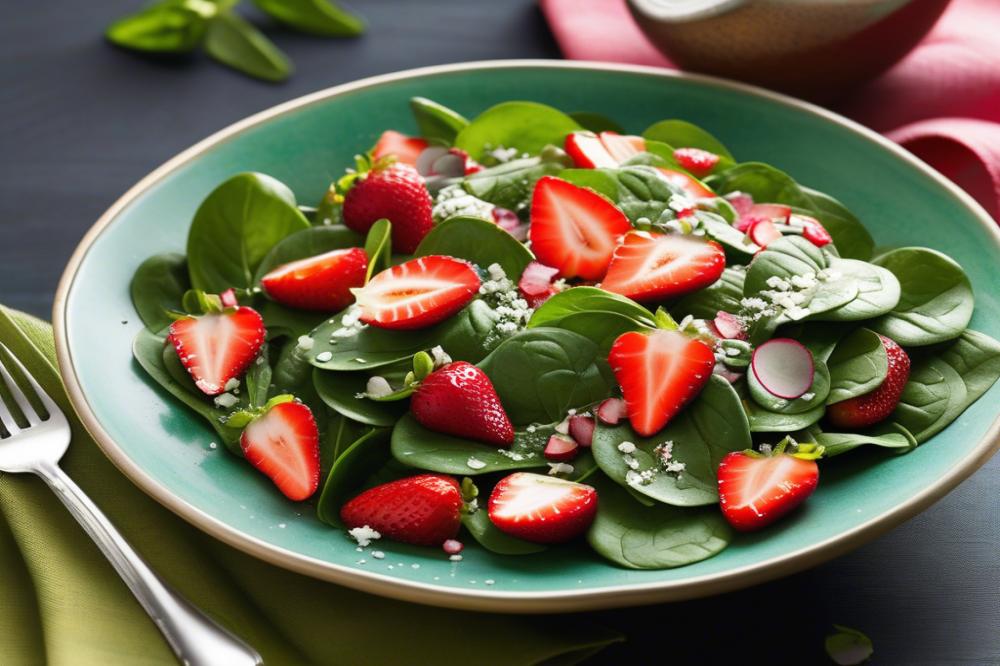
589, 299
935, 302
437, 122
235, 227
339, 390
596, 122
173, 26
159, 285
526, 126
478, 241
510, 184
848, 647
236, 43
308, 243
724, 294
317, 17
357, 462
378, 247
682, 134
858, 365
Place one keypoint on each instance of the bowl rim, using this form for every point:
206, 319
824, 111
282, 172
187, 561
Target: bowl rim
485, 599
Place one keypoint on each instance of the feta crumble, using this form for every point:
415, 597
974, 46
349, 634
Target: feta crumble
323, 357
377, 387
453, 200
226, 400
304, 343
363, 535
559, 468
439, 356
626, 447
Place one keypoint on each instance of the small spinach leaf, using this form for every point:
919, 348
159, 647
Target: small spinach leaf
682, 134
236, 43
835, 443
722, 295
526, 126
158, 286
492, 539
481, 242
317, 17
436, 121
878, 291
764, 420
378, 247
173, 26
308, 243
339, 390
365, 456
858, 365
589, 299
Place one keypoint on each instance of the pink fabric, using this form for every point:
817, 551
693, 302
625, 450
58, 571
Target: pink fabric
942, 101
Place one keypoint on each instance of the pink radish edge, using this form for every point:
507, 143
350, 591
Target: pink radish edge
729, 326
784, 367
581, 429
611, 411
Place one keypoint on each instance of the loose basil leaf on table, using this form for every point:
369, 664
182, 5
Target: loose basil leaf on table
711, 426
722, 295
509, 185
815, 397
308, 243
317, 17
656, 537
378, 247
682, 134
526, 126
236, 43
596, 122
235, 228
589, 299
339, 391
478, 241
858, 365
437, 122
541, 373
936, 300
173, 26
357, 462
159, 285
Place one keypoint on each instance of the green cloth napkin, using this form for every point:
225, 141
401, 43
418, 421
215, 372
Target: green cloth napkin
61, 603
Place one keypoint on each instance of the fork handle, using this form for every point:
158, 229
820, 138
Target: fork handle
194, 637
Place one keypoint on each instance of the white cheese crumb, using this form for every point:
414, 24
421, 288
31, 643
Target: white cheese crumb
807, 396
489, 581
439, 356
531, 428
475, 463
378, 554
364, 535
377, 387
213, 445
626, 447
559, 468
323, 357
563, 427
232, 384
455, 558
305, 343
226, 400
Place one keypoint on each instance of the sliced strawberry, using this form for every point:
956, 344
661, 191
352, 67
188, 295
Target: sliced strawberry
729, 326
763, 212
217, 347
878, 404
649, 267
405, 149
741, 202
543, 509
581, 429
535, 284
622, 147
396, 192
699, 162
659, 373
812, 229
691, 186
756, 490
561, 449
284, 445
459, 399
588, 151
425, 510
611, 411
763, 232
573, 228
418, 293
323, 282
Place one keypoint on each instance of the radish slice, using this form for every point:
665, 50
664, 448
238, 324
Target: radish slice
784, 367
812, 230
581, 429
228, 298
537, 278
611, 411
741, 202
773, 212
730, 326
428, 156
561, 449
763, 232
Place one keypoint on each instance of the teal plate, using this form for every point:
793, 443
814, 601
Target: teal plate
306, 142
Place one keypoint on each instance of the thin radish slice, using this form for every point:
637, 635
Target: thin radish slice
730, 326
581, 429
812, 230
228, 298
784, 367
611, 411
763, 232
741, 202
537, 279
428, 156
770, 211
561, 449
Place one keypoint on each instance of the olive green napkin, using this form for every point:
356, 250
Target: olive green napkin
62, 604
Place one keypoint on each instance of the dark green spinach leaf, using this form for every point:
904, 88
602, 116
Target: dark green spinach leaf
589, 299
479, 241
858, 365
682, 134
357, 462
437, 122
236, 43
159, 285
723, 295
526, 126
339, 390
317, 17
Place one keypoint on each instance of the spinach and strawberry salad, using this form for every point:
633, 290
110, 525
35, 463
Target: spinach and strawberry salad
533, 327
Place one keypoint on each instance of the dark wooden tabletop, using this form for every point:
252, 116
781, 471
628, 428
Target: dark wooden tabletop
81, 121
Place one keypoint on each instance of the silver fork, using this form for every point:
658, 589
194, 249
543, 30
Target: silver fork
37, 448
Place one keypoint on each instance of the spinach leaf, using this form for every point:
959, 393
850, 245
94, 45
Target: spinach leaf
764, 420
463, 336
509, 185
738, 247
724, 294
602, 181
378, 247
820, 338
540, 373
158, 286
307, 243
682, 134
702, 434
236, 43
526, 126
935, 302
815, 397
336, 436
601, 328
878, 291
362, 458
234, 229
339, 391
657, 537
785, 257
436, 121
858, 365
835, 444
486, 534
589, 299
173, 26
596, 122
481, 242
281, 321
317, 17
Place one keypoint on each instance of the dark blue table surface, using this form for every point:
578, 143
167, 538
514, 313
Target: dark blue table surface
80, 122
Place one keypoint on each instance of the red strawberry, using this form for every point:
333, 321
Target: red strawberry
322, 282
611, 411
218, 346
692, 187
536, 283
699, 162
573, 228
877, 405
284, 445
659, 373
561, 448
418, 293
543, 509
648, 267
396, 192
581, 429
622, 146
812, 229
765, 212
755, 490
763, 232
425, 510
460, 400
588, 151
406, 149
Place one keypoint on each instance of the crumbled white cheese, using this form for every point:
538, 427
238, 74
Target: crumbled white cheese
807, 396
559, 468
323, 357
679, 202
305, 343
513, 455
626, 447
364, 535
501, 154
474, 463
454, 200
232, 384
513, 311
563, 426
226, 400
378, 554
439, 356
455, 558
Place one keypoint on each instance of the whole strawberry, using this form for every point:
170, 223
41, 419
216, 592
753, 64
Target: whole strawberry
877, 405
424, 510
396, 192
459, 399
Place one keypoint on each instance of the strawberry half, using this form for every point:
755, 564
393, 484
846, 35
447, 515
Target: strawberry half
756, 489
812, 229
417, 293
217, 347
323, 282
396, 192
877, 405
543, 509
648, 267
283, 443
405, 149
690, 185
588, 151
459, 399
659, 373
573, 228
621, 147
699, 162
425, 510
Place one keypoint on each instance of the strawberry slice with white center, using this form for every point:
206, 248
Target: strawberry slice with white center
573, 228
543, 509
659, 373
812, 229
283, 443
650, 267
417, 293
622, 147
217, 347
697, 161
757, 489
588, 151
690, 185
323, 282
405, 149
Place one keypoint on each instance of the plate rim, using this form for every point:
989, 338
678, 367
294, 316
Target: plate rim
495, 600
